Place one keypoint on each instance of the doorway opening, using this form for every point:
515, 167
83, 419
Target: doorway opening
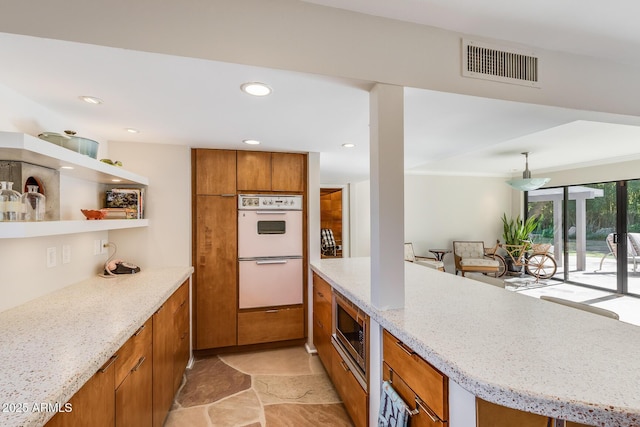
331, 219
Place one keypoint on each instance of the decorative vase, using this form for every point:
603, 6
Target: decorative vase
34, 204
11, 208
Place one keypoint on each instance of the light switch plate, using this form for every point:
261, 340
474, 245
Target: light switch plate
52, 256
66, 254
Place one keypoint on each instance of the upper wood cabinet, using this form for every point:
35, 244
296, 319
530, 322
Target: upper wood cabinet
287, 172
263, 171
214, 171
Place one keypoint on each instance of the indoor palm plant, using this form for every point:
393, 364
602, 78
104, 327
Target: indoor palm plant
517, 232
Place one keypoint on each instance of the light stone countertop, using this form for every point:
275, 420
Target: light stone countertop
508, 348
51, 346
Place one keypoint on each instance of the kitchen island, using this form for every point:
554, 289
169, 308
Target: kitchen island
51, 346
507, 348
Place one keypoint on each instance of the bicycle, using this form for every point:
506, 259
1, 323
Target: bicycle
536, 261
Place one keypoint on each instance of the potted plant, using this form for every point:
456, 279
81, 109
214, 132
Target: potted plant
517, 232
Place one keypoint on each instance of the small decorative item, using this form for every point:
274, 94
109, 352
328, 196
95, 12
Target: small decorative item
34, 204
11, 208
112, 162
92, 213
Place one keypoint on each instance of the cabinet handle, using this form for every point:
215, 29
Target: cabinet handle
228, 195
344, 366
107, 365
136, 333
320, 294
183, 336
183, 303
425, 408
140, 362
160, 309
404, 348
272, 311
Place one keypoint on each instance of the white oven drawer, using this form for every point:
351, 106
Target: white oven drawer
270, 282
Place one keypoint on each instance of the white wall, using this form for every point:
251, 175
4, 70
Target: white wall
167, 240
592, 174
440, 209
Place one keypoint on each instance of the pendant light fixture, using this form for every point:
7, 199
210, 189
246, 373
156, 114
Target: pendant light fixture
527, 183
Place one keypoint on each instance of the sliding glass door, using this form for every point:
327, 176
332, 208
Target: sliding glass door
594, 230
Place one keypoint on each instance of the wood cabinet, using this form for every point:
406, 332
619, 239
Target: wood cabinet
93, 404
214, 171
215, 259
423, 385
170, 355
492, 415
269, 325
264, 171
134, 376
355, 398
322, 321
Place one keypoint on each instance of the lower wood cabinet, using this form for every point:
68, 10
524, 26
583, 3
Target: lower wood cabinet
136, 387
94, 404
424, 386
355, 398
322, 315
491, 415
269, 325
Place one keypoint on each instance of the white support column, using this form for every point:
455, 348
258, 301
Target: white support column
581, 233
387, 195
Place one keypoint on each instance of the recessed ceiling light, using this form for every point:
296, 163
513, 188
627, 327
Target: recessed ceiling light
116, 180
256, 88
91, 99
132, 130
66, 167
251, 141
348, 145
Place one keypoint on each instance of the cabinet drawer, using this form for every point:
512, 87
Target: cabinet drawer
421, 418
180, 297
428, 383
322, 309
321, 289
133, 351
354, 397
270, 325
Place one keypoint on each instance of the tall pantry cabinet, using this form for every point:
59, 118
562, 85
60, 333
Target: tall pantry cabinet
217, 178
214, 248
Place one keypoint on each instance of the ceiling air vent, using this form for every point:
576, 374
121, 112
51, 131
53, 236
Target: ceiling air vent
481, 60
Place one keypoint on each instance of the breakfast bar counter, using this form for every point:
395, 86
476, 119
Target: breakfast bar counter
507, 348
51, 346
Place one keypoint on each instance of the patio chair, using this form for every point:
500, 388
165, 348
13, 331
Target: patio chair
633, 249
582, 306
469, 256
410, 256
328, 246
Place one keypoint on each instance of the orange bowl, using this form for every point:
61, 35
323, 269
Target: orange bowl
93, 214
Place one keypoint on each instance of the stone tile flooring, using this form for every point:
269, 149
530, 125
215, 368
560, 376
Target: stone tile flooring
273, 388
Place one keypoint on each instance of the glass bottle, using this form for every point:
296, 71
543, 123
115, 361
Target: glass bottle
34, 204
11, 208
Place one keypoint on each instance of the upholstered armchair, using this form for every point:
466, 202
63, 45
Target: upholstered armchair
470, 256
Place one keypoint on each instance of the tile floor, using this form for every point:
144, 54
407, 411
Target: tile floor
282, 387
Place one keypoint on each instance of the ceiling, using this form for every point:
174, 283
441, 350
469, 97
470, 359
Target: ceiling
198, 103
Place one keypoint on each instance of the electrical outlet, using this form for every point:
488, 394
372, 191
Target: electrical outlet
103, 246
97, 249
52, 257
66, 254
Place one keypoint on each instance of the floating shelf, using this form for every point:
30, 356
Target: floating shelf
20, 230
26, 148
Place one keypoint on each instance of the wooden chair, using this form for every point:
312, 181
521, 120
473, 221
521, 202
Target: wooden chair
410, 256
469, 256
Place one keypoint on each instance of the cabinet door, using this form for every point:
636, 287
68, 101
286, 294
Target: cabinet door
93, 404
288, 172
322, 321
215, 279
354, 397
134, 402
163, 349
181, 322
214, 171
491, 415
254, 171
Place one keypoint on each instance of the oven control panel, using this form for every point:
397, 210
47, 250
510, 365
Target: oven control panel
270, 202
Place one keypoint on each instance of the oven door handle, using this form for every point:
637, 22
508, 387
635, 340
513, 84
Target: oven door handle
271, 212
271, 261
